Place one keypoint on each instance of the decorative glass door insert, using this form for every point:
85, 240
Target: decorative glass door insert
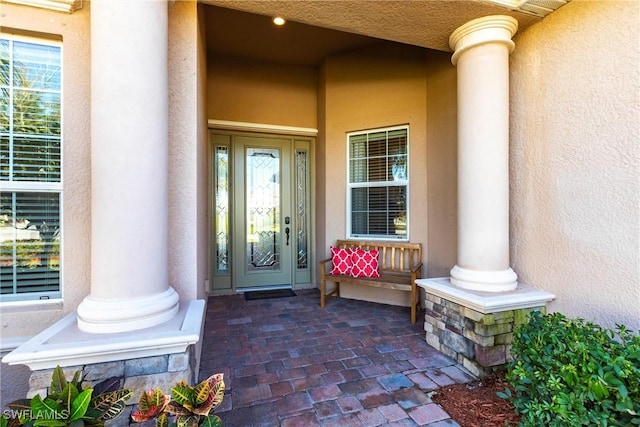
262, 212
262, 191
222, 209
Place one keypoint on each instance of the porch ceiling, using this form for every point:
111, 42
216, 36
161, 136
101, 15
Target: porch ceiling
316, 28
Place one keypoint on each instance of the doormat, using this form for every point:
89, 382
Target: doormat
275, 293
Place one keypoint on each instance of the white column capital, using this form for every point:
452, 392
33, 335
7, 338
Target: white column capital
488, 29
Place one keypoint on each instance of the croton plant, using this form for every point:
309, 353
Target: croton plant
187, 406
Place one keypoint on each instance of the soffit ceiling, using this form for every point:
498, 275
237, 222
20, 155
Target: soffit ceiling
234, 33
316, 28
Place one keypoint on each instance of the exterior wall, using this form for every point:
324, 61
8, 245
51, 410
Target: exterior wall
21, 321
442, 164
203, 162
575, 160
257, 92
188, 230
320, 176
369, 89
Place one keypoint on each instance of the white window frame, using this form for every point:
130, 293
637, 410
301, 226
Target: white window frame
394, 183
24, 186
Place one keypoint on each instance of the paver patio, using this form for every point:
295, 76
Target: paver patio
288, 362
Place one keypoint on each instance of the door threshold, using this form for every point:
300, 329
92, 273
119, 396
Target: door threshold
263, 288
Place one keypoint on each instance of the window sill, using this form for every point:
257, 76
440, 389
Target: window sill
26, 306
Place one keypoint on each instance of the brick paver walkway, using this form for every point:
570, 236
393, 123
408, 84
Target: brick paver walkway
287, 362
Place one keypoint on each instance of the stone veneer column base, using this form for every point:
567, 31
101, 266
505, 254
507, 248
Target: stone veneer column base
160, 356
476, 328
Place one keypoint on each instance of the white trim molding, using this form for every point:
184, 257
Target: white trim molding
532, 7
262, 128
67, 6
525, 296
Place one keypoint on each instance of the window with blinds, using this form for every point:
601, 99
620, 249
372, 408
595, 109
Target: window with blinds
378, 183
30, 168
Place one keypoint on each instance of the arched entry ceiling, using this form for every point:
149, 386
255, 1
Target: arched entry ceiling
424, 23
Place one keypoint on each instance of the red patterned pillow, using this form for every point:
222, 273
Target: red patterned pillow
365, 263
341, 260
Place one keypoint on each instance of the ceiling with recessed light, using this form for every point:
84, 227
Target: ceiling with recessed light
235, 33
315, 28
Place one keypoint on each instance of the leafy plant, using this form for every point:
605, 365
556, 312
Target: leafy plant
68, 404
187, 405
568, 372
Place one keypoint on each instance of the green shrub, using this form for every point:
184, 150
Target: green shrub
68, 404
568, 372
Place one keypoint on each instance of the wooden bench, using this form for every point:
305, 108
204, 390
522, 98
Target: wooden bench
400, 264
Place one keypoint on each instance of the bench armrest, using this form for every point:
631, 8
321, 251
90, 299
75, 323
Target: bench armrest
323, 268
417, 268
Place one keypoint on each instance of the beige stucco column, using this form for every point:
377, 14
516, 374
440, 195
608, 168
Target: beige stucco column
481, 53
129, 168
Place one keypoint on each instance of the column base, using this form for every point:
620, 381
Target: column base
141, 361
486, 281
64, 344
525, 296
124, 315
476, 328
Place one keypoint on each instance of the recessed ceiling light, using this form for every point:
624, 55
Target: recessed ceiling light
279, 20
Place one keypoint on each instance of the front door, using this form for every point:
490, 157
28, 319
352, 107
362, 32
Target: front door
263, 212
261, 199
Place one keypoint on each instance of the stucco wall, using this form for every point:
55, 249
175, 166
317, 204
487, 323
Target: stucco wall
203, 163
368, 89
26, 319
575, 160
442, 164
188, 235
257, 92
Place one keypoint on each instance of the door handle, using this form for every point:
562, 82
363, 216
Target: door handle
287, 231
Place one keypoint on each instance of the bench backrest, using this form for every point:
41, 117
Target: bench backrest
396, 257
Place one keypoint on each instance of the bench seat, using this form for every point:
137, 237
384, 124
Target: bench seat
400, 264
